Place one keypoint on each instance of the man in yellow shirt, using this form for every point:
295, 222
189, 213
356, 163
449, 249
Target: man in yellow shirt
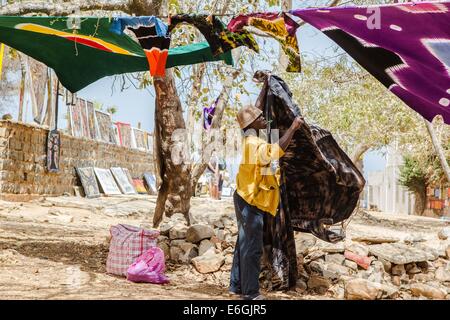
258, 193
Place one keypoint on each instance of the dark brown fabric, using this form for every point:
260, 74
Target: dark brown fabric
322, 183
279, 254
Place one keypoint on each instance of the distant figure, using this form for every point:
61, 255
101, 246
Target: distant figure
215, 178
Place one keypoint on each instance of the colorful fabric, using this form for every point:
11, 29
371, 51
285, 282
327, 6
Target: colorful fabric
322, 183
220, 39
208, 115
279, 26
119, 24
127, 244
409, 52
83, 56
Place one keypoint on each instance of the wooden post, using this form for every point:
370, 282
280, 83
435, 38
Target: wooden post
438, 148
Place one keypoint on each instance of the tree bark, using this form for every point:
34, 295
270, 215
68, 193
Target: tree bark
439, 150
420, 201
358, 153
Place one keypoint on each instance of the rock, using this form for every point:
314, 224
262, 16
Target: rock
198, 232
314, 255
204, 246
178, 232
422, 289
442, 274
398, 270
175, 254
190, 251
166, 249
317, 266
65, 218
396, 280
220, 234
360, 289
412, 268
164, 229
423, 265
218, 224
363, 262
400, 253
304, 242
335, 258
301, 286
386, 264
376, 239
179, 217
234, 230
423, 277
351, 264
447, 252
389, 291
331, 247
229, 259
335, 271
319, 283
209, 262
358, 249
444, 233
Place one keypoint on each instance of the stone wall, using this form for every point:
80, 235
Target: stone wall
23, 161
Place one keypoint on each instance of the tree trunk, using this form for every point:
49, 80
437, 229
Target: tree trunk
420, 202
175, 192
438, 148
357, 154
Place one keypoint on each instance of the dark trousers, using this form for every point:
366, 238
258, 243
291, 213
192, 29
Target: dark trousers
246, 266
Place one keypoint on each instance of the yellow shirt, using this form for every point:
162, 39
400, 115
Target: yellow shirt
257, 184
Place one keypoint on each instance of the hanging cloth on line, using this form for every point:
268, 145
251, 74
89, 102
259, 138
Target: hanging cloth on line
153, 37
220, 39
2, 52
208, 114
277, 25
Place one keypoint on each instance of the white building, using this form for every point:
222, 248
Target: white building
383, 190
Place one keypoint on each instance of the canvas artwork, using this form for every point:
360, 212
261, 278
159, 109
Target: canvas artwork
53, 151
139, 186
75, 120
124, 130
89, 182
149, 141
84, 118
114, 135
128, 174
122, 181
91, 120
107, 181
150, 180
140, 138
104, 123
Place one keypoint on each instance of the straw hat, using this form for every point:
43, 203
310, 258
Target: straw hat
247, 115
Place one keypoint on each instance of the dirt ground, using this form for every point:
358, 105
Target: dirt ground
56, 248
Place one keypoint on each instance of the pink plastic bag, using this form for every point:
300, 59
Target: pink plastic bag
149, 267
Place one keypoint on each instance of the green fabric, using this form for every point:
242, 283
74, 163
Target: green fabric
78, 65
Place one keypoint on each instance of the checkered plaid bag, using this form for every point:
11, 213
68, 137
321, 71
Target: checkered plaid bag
128, 243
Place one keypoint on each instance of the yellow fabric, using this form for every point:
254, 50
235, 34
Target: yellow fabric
2, 50
257, 184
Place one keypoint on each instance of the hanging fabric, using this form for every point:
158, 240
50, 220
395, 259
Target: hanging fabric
220, 39
153, 37
208, 114
92, 52
2, 52
322, 183
405, 46
54, 140
277, 25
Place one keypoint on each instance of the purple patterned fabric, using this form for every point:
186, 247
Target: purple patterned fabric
208, 114
409, 54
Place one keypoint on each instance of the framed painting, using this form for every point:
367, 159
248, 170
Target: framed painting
104, 124
150, 180
75, 120
139, 186
140, 136
88, 181
107, 182
128, 174
84, 118
124, 130
92, 128
122, 181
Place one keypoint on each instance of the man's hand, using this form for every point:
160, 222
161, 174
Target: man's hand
297, 123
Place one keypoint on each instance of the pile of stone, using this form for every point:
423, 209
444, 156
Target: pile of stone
375, 268
207, 245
